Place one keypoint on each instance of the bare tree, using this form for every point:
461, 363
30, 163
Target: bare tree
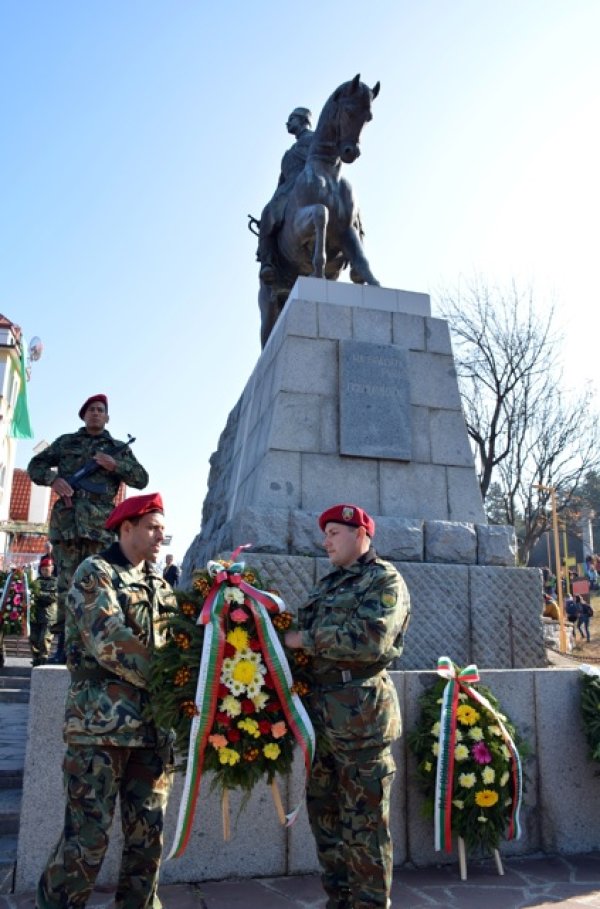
526, 431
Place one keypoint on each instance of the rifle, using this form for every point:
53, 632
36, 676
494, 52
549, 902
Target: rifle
79, 479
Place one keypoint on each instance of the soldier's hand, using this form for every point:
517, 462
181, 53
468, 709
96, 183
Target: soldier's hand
293, 639
64, 490
106, 461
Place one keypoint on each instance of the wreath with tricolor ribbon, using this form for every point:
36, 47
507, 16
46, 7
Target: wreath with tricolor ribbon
15, 602
469, 761
223, 682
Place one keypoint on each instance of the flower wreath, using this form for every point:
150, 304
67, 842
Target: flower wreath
590, 707
14, 603
468, 761
223, 683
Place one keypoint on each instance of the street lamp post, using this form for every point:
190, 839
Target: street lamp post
562, 638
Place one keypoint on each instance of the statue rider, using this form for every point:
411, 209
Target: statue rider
292, 163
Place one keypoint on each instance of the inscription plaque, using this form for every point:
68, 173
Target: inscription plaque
374, 401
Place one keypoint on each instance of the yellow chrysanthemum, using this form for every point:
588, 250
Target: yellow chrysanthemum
485, 798
435, 730
467, 780
250, 726
228, 756
466, 715
238, 638
435, 748
272, 751
461, 753
244, 672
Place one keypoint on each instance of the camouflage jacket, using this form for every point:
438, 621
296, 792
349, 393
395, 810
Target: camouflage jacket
85, 519
44, 601
113, 624
354, 621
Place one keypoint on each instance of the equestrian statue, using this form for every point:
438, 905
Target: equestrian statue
312, 225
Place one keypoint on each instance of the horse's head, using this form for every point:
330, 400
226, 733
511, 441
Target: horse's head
352, 109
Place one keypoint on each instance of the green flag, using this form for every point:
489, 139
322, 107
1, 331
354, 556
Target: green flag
21, 424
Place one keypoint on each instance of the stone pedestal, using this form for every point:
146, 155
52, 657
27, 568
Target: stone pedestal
355, 398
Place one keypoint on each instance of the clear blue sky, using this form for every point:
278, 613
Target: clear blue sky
138, 134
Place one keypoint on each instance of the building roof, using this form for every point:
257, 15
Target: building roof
20, 496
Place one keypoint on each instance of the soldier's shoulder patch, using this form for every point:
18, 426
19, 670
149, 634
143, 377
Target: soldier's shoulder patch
388, 599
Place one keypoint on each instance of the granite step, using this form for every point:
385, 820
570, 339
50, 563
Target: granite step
15, 681
11, 778
8, 858
14, 695
10, 811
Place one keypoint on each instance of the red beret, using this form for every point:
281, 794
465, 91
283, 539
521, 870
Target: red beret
102, 398
46, 560
348, 514
134, 507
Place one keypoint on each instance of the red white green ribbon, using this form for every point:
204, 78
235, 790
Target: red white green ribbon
213, 616
444, 782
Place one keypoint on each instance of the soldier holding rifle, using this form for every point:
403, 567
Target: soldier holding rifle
85, 470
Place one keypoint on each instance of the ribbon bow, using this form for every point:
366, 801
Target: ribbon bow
444, 782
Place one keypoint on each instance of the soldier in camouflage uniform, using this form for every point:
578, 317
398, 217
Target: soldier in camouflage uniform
77, 521
43, 613
113, 624
353, 628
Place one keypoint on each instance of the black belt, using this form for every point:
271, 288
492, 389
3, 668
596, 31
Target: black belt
343, 676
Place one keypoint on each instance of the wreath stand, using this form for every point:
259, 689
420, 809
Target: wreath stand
462, 860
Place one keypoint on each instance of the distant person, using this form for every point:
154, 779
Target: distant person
43, 613
171, 573
586, 613
573, 611
77, 521
590, 572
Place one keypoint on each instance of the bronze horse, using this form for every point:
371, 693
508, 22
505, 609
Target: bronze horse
321, 232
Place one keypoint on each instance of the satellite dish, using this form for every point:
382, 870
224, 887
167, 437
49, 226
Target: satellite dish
35, 349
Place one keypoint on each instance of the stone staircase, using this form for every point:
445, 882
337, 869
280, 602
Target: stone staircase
15, 680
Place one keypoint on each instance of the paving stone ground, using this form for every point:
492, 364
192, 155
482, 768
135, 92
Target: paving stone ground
560, 882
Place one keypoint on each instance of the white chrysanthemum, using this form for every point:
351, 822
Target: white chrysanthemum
253, 689
467, 780
459, 735
236, 688
463, 697
495, 730
505, 751
458, 803
435, 748
461, 753
488, 775
234, 595
475, 733
435, 730
482, 819
504, 778
259, 700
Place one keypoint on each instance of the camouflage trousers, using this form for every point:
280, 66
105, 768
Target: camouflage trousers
40, 641
348, 800
68, 554
94, 776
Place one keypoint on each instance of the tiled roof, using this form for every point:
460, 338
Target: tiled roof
33, 545
20, 496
